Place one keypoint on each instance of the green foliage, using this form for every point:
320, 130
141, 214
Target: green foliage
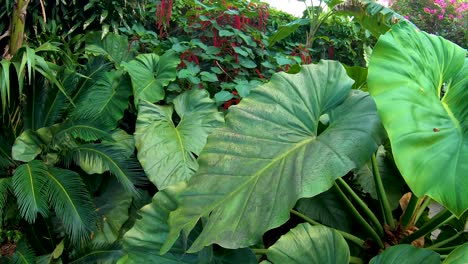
406, 254
309, 244
428, 130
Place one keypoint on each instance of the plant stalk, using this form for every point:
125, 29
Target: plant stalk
448, 240
259, 251
359, 217
374, 221
18, 22
421, 209
347, 236
407, 219
434, 223
387, 211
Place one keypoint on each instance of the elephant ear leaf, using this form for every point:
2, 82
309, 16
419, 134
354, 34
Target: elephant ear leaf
272, 153
166, 150
420, 85
310, 244
406, 254
150, 73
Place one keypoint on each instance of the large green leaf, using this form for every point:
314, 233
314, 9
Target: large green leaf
143, 241
168, 151
27, 146
458, 256
150, 73
114, 47
29, 182
112, 207
72, 203
406, 254
419, 83
286, 30
306, 244
106, 100
270, 154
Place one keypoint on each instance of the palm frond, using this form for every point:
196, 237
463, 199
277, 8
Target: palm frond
94, 71
5, 154
23, 254
5, 188
86, 130
106, 100
103, 253
5, 84
29, 187
72, 203
98, 158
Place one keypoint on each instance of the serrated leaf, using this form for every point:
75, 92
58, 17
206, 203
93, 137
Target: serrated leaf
167, 150
150, 73
428, 131
306, 244
271, 142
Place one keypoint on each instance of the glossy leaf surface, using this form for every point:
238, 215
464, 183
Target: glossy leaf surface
419, 83
406, 254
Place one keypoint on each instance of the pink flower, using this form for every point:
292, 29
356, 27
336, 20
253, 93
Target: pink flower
451, 16
441, 17
407, 17
433, 11
427, 10
453, 2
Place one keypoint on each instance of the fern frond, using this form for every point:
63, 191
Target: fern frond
83, 129
104, 253
98, 158
29, 187
23, 254
72, 203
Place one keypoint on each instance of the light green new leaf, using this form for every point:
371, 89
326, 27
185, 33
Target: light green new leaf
72, 203
286, 30
420, 85
150, 73
168, 151
27, 146
406, 254
106, 100
270, 154
29, 186
458, 256
307, 244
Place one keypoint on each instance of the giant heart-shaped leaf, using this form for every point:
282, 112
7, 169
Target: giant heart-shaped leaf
270, 154
166, 150
306, 244
420, 85
150, 73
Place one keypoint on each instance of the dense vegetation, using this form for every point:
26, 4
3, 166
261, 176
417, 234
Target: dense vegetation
204, 131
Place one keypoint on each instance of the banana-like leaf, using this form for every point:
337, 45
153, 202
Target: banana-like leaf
114, 47
23, 254
271, 154
106, 100
458, 256
306, 244
102, 254
143, 241
420, 85
406, 254
99, 158
72, 203
150, 73
168, 151
29, 186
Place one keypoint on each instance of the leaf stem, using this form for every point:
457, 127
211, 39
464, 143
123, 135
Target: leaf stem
445, 249
374, 221
408, 216
347, 236
444, 242
355, 260
259, 251
421, 209
432, 224
387, 211
359, 217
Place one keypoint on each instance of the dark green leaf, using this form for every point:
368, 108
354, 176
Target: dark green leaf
406, 254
